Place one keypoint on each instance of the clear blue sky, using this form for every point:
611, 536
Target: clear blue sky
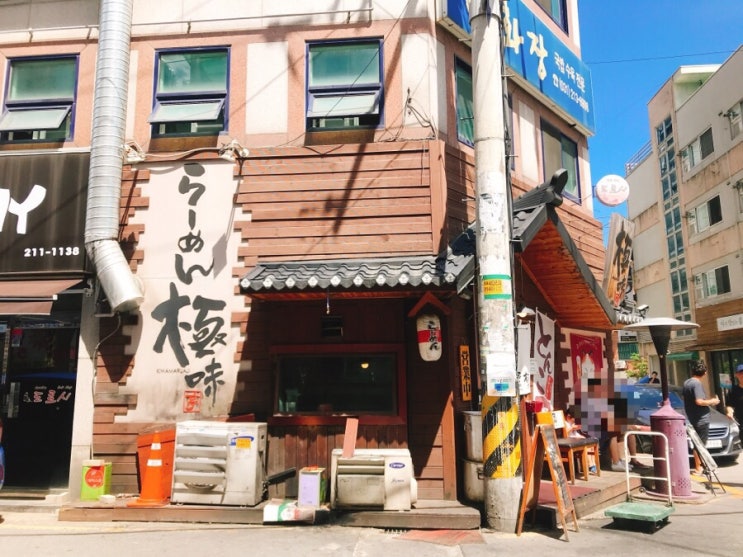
632, 48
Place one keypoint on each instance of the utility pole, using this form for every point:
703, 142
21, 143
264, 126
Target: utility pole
500, 407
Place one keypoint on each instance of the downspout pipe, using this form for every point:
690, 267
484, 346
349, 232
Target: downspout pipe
123, 289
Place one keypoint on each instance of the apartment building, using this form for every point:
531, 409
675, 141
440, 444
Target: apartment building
685, 201
258, 211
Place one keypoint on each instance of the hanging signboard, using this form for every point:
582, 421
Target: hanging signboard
539, 59
466, 372
612, 190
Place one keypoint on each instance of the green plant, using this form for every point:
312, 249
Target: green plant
637, 367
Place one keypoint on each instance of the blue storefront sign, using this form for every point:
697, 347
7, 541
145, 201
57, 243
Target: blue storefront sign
534, 53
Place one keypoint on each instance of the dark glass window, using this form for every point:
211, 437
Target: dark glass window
557, 10
358, 383
706, 145
465, 112
561, 152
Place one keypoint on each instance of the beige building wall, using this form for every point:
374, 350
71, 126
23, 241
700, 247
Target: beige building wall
699, 99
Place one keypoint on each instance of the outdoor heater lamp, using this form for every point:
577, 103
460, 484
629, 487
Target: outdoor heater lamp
666, 420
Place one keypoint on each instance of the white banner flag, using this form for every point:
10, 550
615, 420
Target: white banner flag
544, 355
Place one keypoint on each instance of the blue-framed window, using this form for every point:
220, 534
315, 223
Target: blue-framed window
345, 87
190, 92
40, 96
559, 151
465, 111
557, 10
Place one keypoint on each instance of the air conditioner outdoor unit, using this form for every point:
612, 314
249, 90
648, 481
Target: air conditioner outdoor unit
219, 463
373, 478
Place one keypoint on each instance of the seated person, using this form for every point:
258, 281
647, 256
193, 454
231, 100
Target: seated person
574, 430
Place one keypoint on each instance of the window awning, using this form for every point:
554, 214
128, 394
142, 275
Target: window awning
33, 119
31, 297
185, 111
351, 104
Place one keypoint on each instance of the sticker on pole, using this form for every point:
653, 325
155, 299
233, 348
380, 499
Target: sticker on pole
496, 287
500, 374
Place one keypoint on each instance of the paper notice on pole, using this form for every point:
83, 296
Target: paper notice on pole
500, 374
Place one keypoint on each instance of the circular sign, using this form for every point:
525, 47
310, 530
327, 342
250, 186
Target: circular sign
612, 190
94, 477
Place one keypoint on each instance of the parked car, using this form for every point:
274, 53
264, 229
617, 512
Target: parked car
643, 400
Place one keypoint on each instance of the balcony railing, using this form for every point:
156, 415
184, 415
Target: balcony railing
644, 152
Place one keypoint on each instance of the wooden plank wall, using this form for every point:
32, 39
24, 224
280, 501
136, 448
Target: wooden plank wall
308, 203
460, 192
301, 446
342, 200
117, 443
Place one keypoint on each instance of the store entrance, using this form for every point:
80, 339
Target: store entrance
37, 398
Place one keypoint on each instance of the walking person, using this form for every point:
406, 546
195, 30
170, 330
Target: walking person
696, 405
734, 401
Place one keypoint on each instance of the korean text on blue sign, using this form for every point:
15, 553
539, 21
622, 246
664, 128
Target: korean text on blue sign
533, 52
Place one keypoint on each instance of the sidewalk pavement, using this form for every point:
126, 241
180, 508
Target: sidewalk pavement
707, 525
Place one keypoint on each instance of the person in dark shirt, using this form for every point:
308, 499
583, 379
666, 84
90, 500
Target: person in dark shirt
696, 405
735, 398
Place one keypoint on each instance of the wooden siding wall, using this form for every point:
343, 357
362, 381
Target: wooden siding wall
312, 445
460, 192
117, 443
428, 391
431, 417
584, 229
325, 202
341, 200
708, 336
462, 325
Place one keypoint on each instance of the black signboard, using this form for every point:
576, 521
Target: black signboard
42, 212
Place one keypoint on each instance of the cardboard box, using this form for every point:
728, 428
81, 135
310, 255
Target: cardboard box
96, 479
313, 485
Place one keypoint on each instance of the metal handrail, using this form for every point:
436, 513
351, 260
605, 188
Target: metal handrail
654, 458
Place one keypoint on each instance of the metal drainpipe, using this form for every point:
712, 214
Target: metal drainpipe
123, 289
